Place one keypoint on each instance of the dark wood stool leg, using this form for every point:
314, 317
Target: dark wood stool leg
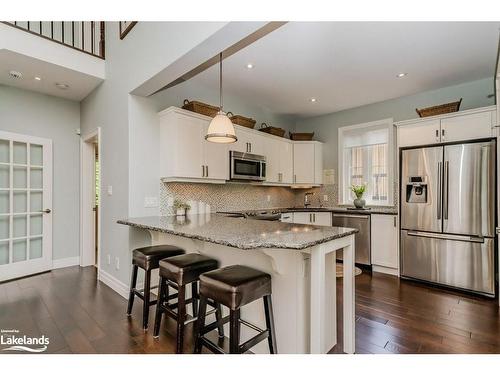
194, 298
181, 317
159, 311
268, 307
234, 332
218, 317
147, 297
200, 324
133, 283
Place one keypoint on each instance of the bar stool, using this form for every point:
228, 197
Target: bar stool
178, 272
148, 259
234, 287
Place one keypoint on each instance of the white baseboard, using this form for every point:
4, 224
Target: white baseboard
65, 262
115, 284
386, 270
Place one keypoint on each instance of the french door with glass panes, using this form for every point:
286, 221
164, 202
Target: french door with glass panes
25, 205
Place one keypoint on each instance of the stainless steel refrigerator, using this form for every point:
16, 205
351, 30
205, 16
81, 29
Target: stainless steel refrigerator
448, 215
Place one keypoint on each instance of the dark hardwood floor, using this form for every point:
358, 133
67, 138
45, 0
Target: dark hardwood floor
82, 315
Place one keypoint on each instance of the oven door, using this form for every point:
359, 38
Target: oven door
250, 168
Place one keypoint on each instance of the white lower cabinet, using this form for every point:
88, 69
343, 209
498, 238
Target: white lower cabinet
384, 243
312, 218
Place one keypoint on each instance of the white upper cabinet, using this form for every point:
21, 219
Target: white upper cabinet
185, 155
419, 133
453, 127
184, 152
307, 163
248, 141
473, 126
279, 157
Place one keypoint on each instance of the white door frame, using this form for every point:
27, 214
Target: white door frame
87, 197
31, 266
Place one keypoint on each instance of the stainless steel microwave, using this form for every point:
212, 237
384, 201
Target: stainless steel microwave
249, 167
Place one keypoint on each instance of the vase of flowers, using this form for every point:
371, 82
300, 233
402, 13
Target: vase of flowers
180, 208
358, 191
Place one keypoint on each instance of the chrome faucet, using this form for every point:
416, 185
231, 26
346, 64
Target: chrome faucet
306, 199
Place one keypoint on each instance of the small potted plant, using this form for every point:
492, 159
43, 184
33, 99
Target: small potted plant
358, 191
180, 207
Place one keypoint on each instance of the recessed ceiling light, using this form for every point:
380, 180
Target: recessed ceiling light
401, 75
249, 66
38, 79
312, 100
62, 86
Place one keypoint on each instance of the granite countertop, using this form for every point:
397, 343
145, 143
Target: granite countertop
372, 210
241, 233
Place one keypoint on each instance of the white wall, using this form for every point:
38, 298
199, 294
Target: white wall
58, 119
123, 118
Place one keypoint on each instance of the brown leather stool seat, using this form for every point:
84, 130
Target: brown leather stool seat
235, 286
178, 272
148, 258
184, 269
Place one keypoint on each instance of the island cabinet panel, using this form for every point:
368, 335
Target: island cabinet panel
384, 241
307, 163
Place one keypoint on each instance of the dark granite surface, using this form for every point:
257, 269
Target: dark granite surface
372, 210
241, 233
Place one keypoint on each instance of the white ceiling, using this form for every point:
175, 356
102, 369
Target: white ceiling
349, 64
80, 84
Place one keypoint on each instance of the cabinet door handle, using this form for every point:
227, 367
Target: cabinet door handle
442, 134
202, 171
314, 218
206, 170
250, 147
310, 218
395, 221
437, 135
294, 178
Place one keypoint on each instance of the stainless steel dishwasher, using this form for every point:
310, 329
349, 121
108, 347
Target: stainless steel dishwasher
362, 238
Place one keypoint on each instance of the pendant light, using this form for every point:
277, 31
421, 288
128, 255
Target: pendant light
221, 129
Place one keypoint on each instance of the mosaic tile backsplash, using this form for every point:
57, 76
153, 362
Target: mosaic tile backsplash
225, 197
238, 197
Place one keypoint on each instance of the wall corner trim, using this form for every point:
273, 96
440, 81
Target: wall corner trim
115, 284
65, 262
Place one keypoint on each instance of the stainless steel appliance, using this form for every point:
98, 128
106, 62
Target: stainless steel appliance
362, 239
448, 215
247, 167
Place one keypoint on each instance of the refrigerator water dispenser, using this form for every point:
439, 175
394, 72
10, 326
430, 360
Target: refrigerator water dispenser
416, 190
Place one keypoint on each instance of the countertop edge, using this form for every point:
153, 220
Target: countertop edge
225, 243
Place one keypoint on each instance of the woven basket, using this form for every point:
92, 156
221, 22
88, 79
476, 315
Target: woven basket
272, 130
439, 109
201, 108
301, 136
242, 120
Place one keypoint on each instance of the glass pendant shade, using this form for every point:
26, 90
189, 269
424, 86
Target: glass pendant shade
221, 129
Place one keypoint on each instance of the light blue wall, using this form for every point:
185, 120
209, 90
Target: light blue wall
474, 94
58, 119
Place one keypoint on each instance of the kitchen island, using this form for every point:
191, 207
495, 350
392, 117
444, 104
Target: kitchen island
300, 259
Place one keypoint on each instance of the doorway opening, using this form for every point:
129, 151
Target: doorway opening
90, 193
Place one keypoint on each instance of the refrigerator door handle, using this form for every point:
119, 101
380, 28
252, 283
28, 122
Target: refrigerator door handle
446, 189
439, 191
452, 237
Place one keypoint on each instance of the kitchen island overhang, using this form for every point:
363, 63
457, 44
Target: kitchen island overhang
300, 258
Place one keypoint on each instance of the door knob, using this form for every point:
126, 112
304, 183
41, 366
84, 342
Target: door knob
46, 211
